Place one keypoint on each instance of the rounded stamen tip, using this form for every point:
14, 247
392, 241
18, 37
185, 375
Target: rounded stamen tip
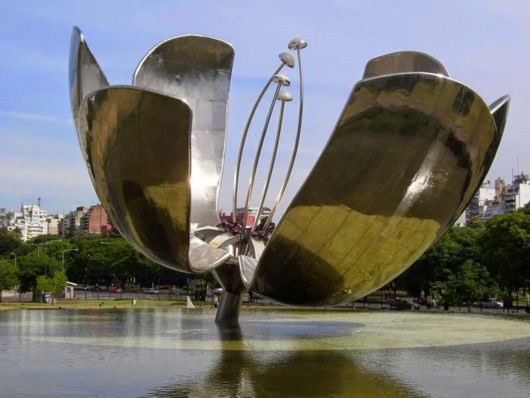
297, 44
285, 96
287, 59
281, 79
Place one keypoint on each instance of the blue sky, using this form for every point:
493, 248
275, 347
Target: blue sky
485, 44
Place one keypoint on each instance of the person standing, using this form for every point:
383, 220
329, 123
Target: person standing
215, 300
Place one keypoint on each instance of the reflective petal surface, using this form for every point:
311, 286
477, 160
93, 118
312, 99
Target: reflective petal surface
136, 144
84, 73
407, 154
198, 69
403, 62
499, 110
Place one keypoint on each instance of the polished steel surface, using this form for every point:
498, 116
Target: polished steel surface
84, 73
228, 312
297, 44
407, 154
499, 110
248, 263
403, 62
136, 144
283, 97
279, 82
287, 59
282, 79
203, 257
197, 69
410, 149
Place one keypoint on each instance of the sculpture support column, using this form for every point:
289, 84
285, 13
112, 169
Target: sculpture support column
228, 312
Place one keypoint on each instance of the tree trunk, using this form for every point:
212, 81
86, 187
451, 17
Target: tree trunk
1, 295
36, 298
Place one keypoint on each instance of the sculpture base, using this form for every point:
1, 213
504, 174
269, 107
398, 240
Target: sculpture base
228, 312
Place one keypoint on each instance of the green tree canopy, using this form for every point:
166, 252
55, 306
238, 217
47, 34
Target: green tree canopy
505, 248
52, 284
33, 265
471, 283
8, 275
446, 256
9, 242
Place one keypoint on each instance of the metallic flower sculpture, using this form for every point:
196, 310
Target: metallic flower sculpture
409, 150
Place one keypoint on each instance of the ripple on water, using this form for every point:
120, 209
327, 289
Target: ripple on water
173, 353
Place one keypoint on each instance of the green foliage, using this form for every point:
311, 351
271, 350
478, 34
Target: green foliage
44, 239
446, 256
9, 242
8, 275
480, 261
505, 247
525, 209
471, 283
33, 265
51, 284
106, 261
98, 260
50, 247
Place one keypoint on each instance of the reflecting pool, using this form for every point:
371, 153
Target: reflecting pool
180, 353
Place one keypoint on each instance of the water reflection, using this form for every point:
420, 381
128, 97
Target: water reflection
174, 353
243, 373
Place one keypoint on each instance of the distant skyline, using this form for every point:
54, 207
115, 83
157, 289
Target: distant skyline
485, 44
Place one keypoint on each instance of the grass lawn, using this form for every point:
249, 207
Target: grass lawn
93, 304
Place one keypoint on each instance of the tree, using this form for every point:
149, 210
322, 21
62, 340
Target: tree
9, 242
105, 261
51, 284
33, 265
40, 239
505, 248
471, 283
443, 258
8, 275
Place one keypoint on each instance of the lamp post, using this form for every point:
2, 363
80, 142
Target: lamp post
19, 291
64, 252
62, 265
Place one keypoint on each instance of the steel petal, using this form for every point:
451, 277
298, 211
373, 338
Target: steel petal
137, 151
84, 74
402, 62
405, 158
198, 69
499, 110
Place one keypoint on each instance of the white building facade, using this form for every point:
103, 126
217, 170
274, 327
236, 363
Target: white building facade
491, 201
31, 221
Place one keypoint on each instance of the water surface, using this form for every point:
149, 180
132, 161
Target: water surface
179, 353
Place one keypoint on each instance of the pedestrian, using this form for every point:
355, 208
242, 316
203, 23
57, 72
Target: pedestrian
215, 300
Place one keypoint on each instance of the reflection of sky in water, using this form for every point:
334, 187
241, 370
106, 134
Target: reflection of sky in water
175, 353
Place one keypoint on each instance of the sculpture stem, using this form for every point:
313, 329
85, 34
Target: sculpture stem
295, 149
256, 158
243, 140
228, 312
271, 167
